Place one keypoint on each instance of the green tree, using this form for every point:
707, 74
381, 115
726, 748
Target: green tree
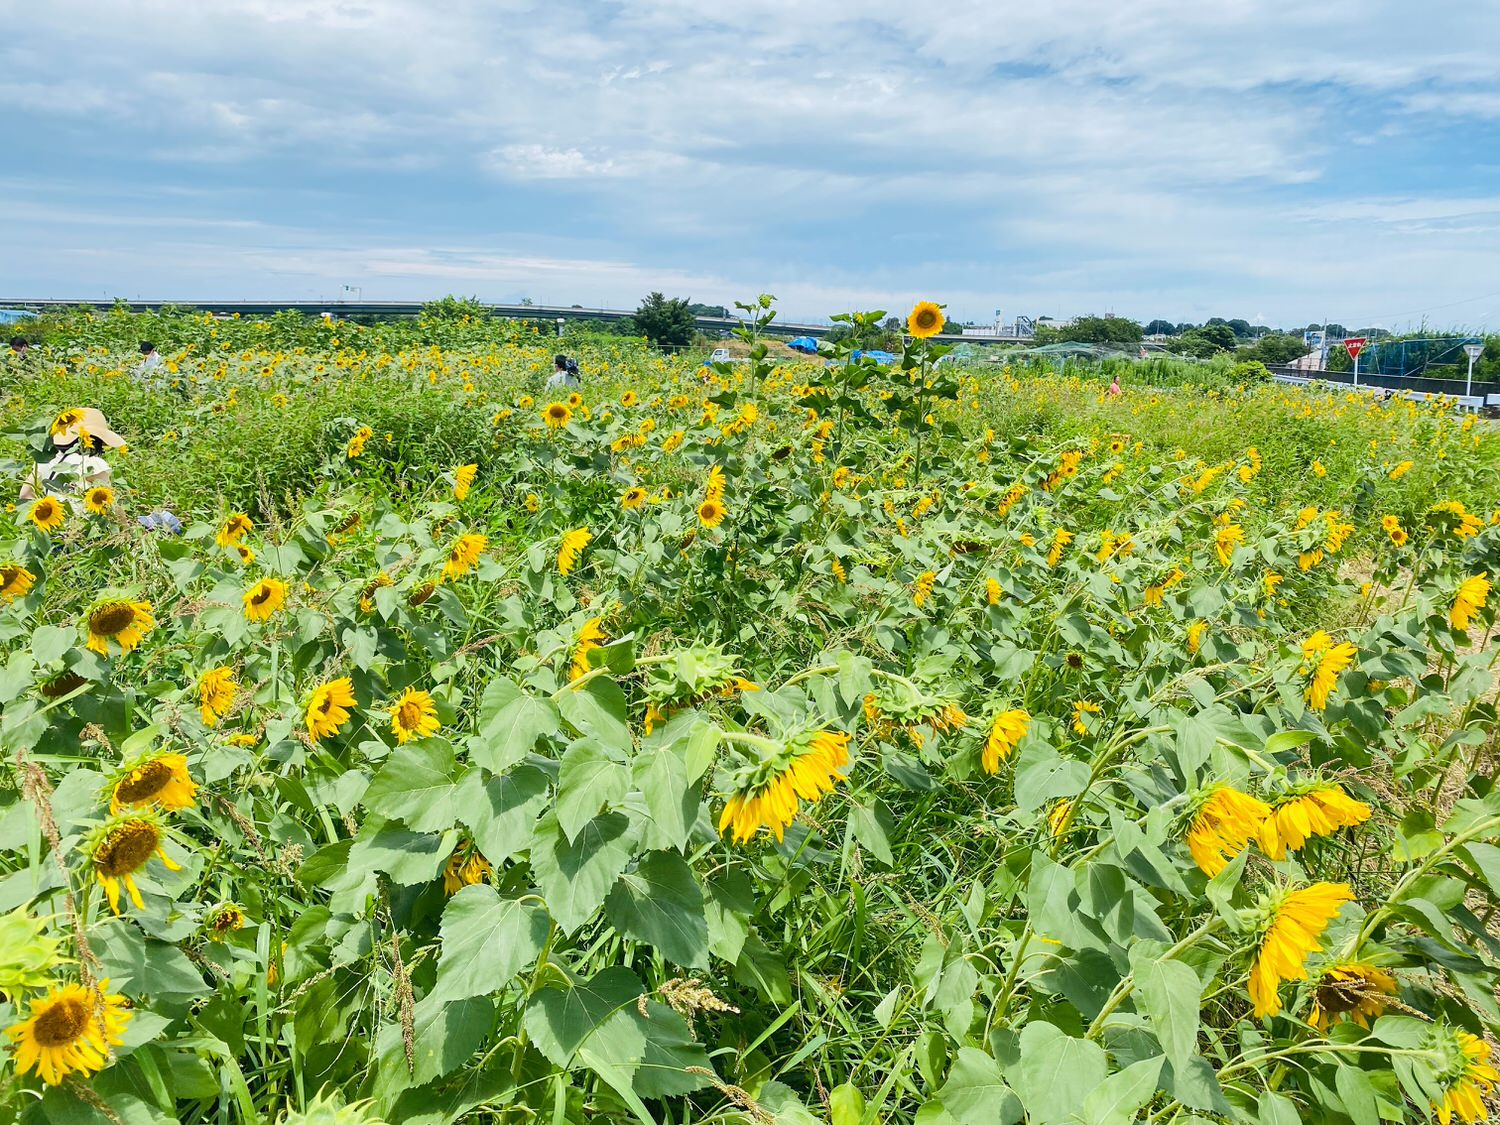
1277, 347
1092, 330
665, 320
1160, 328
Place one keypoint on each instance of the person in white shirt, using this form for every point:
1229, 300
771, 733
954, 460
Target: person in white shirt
76, 465
564, 373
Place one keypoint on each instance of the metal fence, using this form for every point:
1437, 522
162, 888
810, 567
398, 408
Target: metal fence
1419, 384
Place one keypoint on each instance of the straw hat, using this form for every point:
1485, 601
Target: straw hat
90, 421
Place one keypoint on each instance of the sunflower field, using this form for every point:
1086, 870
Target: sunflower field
388, 739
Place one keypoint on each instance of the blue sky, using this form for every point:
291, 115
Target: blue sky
1275, 160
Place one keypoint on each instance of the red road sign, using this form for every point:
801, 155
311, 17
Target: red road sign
1354, 345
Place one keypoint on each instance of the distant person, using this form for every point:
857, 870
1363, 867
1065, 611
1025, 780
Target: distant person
19, 345
150, 357
565, 373
1114, 388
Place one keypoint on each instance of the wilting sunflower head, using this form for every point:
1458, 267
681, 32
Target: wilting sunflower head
223, 920
121, 848
154, 781
121, 621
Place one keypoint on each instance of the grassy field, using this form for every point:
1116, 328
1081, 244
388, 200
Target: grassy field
775, 742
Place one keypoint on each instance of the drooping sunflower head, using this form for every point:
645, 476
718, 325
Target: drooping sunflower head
926, 320
234, 528
123, 622
99, 500
463, 480
1465, 1074
47, 514
223, 920
571, 547
463, 555
633, 497
1352, 991
367, 595
15, 582
154, 780
120, 849
216, 691
629, 398
265, 599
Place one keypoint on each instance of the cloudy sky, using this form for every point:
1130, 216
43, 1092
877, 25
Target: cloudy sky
1278, 160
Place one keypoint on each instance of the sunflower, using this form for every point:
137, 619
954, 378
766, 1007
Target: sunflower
1323, 662
15, 582
157, 780
1401, 470
121, 849
328, 707
1318, 812
556, 415
922, 588
47, 515
70, 1031
264, 599
64, 683
1226, 821
572, 545
711, 513
464, 868
233, 529
1466, 1079
1081, 709
632, 498
347, 526
99, 500
926, 320
1469, 600
367, 595
588, 640
836, 568
1226, 539
216, 691
414, 715
356, 447
245, 554
65, 421
123, 622
1195, 636
813, 764
223, 920
464, 555
1291, 933
463, 480
1352, 991
629, 398
1007, 730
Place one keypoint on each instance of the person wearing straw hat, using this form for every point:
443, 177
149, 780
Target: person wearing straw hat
79, 436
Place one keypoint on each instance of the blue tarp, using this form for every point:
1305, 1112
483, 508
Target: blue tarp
804, 344
878, 357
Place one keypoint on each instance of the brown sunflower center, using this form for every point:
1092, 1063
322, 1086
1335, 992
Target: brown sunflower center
45, 509
409, 715
349, 524
421, 595
62, 1024
61, 685
111, 619
127, 847
144, 783
1335, 996
260, 595
227, 920
926, 318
